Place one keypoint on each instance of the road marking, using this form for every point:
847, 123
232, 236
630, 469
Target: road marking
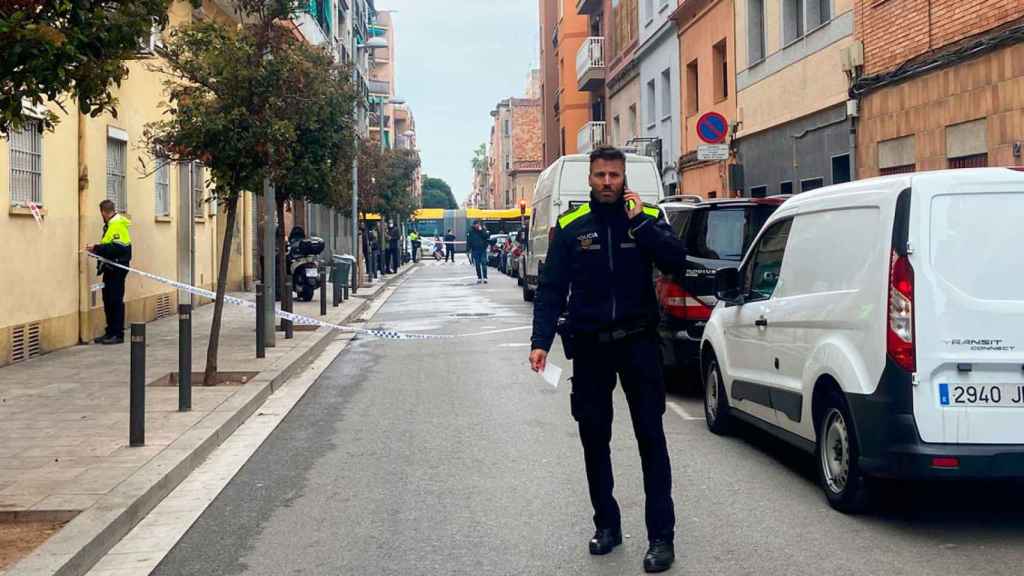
514, 345
681, 412
502, 331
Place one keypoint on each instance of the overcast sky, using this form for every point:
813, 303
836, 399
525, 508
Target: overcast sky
455, 60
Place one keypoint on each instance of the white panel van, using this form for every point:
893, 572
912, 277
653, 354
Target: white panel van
880, 325
566, 184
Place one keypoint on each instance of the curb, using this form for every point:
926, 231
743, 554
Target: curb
76, 548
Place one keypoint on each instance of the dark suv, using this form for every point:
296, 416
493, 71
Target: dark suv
717, 234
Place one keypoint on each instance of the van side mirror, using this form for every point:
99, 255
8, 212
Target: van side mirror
727, 285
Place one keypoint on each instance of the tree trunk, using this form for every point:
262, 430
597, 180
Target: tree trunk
210, 377
286, 294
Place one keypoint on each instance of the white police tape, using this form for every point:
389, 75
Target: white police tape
298, 318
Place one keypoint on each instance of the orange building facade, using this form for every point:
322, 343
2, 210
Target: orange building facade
707, 78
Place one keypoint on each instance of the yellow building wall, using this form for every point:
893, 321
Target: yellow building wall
804, 87
41, 268
812, 84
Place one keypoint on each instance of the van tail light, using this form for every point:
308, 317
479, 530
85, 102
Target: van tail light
900, 328
551, 233
678, 303
946, 462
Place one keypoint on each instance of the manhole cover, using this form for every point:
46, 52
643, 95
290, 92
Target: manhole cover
472, 314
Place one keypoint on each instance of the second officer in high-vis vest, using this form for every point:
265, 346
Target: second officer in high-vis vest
602, 258
115, 246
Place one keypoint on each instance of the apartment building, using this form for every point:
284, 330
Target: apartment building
591, 70
939, 85
515, 152
622, 82
658, 56
793, 132
707, 48
565, 108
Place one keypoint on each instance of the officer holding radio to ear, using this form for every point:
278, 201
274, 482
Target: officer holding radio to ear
604, 253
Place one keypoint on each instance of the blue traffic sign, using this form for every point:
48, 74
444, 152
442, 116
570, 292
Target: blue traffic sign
712, 128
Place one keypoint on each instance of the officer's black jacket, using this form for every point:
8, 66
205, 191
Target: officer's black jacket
607, 262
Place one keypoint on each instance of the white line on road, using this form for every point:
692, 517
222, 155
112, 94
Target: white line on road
681, 412
503, 330
514, 345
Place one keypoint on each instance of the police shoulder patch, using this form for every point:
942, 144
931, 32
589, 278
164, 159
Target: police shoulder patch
573, 214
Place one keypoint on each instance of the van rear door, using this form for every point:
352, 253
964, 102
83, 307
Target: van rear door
966, 237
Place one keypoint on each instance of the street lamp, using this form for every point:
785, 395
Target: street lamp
375, 42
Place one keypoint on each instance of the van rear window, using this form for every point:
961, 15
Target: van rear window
975, 243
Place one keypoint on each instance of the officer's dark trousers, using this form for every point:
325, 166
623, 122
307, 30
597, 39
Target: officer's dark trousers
113, 301
637, 362
480, 262
449, 252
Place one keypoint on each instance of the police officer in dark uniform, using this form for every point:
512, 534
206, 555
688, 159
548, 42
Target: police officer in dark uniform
603, 253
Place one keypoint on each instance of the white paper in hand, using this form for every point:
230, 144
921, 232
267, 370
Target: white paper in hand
551, 374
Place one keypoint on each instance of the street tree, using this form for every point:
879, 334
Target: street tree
438, 194
66, 48
241, 100
479, 160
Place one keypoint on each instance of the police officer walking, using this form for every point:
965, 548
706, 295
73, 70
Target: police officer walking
604, 253
115, 246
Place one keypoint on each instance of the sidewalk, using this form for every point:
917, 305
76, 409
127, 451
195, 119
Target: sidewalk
64, 425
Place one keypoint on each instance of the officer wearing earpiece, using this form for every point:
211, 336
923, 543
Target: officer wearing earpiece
603, 253
116, 246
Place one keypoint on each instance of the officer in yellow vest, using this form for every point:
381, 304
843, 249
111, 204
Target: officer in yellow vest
115, 246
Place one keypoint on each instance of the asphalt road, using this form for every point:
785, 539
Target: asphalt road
437, 457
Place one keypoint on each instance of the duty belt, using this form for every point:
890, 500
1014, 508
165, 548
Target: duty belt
616, 335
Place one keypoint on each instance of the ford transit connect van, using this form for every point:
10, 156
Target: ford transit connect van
566, 184
880, 325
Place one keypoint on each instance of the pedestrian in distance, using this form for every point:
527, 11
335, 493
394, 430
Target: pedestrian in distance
602, 258
414, 241
394, 238
477, 242
449, 246
116, 246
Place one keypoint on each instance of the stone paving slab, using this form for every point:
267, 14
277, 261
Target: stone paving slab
64, 425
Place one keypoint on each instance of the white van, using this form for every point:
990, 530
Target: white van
566, 184
880, 325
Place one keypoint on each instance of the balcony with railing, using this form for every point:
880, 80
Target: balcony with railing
380, 87
590, 64
590, 136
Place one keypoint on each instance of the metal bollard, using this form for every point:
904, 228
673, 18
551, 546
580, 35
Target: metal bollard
335, 286
323, 291
287, 324
184, 357
137, 390
261, 331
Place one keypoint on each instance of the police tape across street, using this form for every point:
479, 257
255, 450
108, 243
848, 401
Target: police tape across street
298, 318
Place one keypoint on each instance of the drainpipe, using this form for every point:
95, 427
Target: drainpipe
84, 294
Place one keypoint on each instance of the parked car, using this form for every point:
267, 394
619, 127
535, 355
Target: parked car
494, 248
564, 185
877, 325
716, 233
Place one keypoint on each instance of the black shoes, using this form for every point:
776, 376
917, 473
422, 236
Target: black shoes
605, 540
660, 556
107, 340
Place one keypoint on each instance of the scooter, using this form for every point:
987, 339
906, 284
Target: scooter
304, 266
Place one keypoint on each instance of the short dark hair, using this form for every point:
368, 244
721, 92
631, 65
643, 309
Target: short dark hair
609, 153
108, 206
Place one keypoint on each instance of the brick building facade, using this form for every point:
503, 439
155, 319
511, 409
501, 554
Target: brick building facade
516, 151
941, 85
